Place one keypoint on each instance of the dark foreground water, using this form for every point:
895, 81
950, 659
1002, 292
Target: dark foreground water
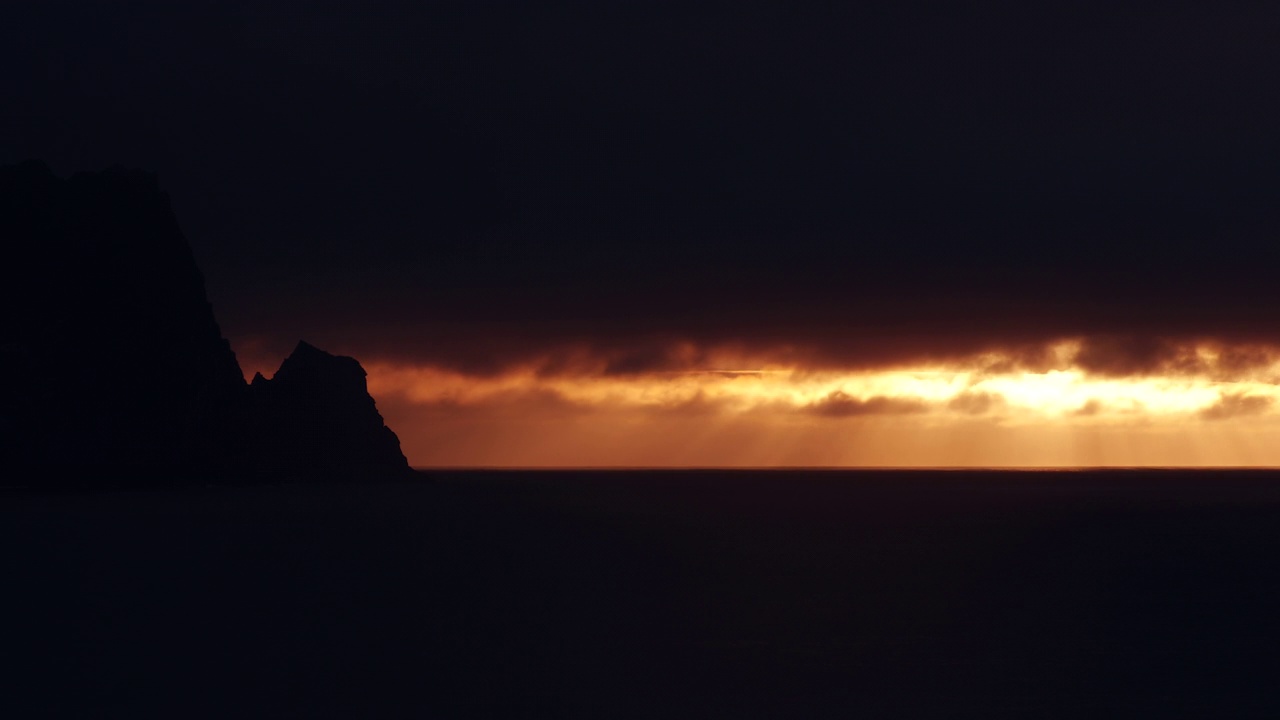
735, 594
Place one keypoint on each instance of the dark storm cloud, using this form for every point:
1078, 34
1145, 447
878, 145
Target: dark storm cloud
483, 184
1132, 355
1237, 361
647, 359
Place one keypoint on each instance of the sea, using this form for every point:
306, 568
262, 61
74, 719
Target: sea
770, 593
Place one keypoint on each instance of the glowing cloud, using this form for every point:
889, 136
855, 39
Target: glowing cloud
1067, 403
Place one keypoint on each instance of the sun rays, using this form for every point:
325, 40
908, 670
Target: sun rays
990, 409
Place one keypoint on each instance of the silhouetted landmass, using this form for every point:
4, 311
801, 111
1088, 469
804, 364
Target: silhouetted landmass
115, 367
316, 414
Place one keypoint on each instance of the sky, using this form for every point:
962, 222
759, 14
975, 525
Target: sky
735, 233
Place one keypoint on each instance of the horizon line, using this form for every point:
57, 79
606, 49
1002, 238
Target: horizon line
838, 468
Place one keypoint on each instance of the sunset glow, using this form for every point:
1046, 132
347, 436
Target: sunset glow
1204, 406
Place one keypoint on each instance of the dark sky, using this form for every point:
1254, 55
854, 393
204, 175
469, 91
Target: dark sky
470, 182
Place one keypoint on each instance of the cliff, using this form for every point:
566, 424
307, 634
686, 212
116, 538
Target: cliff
115, 368
315, 418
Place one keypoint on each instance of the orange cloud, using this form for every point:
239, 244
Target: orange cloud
1236, 405
840, 404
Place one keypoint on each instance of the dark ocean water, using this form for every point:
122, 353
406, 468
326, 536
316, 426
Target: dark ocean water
651, 594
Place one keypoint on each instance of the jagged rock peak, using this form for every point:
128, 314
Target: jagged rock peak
310, 363
125, 373
317, 418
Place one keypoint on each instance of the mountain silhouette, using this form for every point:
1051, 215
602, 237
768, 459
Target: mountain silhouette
115, 368
316, 414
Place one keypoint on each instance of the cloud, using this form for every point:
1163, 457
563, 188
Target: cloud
840, 404
1130, 355
1136, 355
975, 403
645, 359
966, 389
552, 351
1233, 405
1236, 361
1092, 407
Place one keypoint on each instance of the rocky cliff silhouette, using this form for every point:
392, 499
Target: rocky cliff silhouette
114, 366
316, 414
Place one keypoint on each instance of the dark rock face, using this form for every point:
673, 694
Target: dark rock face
114, 365
315, 418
